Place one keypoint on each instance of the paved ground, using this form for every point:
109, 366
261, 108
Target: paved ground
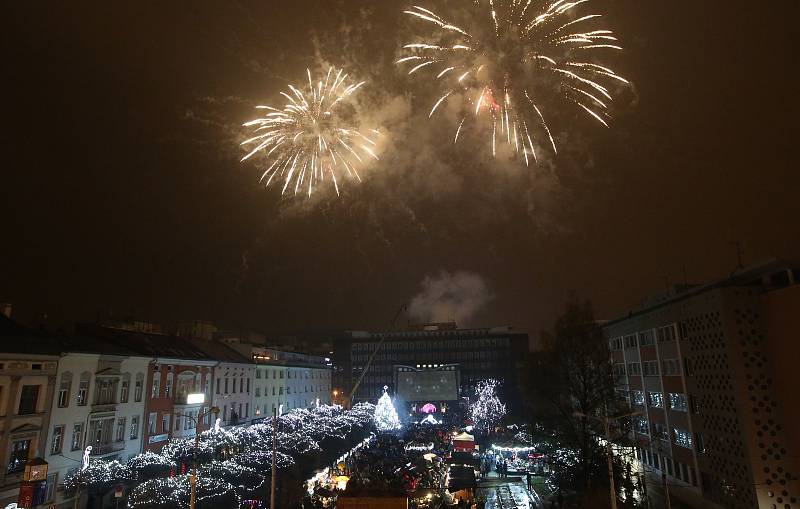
506, 493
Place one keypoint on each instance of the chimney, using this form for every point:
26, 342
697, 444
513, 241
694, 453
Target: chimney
5, 309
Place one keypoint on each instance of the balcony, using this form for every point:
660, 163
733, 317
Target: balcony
100, 450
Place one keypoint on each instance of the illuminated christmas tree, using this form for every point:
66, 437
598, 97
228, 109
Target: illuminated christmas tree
386, 417
487, 410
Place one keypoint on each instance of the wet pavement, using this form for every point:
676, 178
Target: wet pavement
506, 493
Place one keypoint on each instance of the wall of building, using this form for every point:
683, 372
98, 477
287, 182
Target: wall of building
734, 342
288, 387
19, 426
233, 392
163, 403
71, 423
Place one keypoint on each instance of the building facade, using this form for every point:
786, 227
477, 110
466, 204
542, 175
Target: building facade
479, 354
287, 380
169, 412
27, 383
98, 402
705, 367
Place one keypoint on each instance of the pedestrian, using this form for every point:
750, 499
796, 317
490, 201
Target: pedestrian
529, 478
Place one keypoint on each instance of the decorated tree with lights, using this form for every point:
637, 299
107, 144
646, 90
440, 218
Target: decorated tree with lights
386, 418
487, 409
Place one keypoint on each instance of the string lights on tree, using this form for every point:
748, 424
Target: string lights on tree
487, 410
231, 461
386, 418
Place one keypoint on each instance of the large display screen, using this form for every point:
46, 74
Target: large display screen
427, 385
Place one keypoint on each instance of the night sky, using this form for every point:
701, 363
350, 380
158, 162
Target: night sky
122, 192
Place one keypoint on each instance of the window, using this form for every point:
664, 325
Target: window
656, 399
155, 391
137, 394
151, 423
640, 425
248, 386
134, 427
63, 393
660, 431
165, 423
273, 390
19, 456
178, 422
666, 333
168, 386
281, 375
28, 399
682, 437
246, 409
280, 391
226, 385
58, 440
218, 382
258, 373
646, 337
634, 368
671, 367
630, 341
258, 392
615, 344
241, 385
619, 369
637, 398
701, 444
677, 401
233, 386
121, 429
104, 392
77, 436
51, 487
123, 395
650, 368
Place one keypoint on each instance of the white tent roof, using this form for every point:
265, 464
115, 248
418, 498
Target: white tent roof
465, 437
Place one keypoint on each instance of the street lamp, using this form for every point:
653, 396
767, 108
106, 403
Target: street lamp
193, 399
609, 449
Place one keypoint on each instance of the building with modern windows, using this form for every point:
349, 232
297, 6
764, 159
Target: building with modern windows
711, 369
422, 352
28, 368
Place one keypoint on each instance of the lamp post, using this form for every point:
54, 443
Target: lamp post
194, 399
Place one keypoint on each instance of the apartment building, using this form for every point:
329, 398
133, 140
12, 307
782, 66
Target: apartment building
176, 368
710, 369
287, 380
28, 368
98, 403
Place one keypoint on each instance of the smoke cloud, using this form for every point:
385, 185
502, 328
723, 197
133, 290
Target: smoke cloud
449, 296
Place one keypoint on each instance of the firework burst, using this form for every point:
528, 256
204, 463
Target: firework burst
314, 137
507, 56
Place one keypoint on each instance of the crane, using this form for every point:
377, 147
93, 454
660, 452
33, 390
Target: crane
403, 307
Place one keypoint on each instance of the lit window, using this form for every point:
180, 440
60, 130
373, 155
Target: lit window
682, 437
656, 399
677, 401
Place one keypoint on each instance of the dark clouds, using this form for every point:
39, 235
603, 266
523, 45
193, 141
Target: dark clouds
122, 189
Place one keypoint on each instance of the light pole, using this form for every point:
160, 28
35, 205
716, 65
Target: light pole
193, 399
609, 449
